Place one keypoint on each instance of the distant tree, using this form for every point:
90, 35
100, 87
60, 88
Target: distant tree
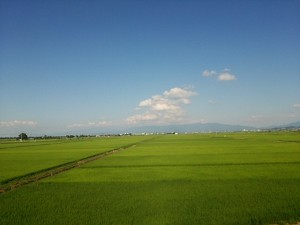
23, 136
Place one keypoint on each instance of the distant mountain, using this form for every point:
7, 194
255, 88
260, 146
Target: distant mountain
196, 127
295, 124
182, 128
289, 125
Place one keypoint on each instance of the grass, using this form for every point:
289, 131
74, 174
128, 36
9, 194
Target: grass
237, 179
21, 158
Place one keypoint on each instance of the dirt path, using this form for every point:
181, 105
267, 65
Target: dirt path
38, 175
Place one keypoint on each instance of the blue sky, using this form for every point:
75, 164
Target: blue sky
72, 65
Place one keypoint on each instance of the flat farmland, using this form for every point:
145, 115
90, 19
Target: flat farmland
21, 158
228, 179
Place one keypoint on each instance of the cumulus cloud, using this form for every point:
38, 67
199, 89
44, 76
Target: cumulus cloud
225, 75
90, 124
141, 117
163, 108
15, 123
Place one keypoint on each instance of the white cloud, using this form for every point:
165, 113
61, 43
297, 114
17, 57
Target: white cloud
209, 73
145, 103
296, 105
141, 117
15, 123
90, 124
76, 125
98, 124
179, 93
163, 108
226, 76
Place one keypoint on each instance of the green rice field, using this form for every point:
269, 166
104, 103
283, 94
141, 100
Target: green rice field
185, 179
20, 158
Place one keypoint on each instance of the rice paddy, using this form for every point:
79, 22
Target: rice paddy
228, 179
